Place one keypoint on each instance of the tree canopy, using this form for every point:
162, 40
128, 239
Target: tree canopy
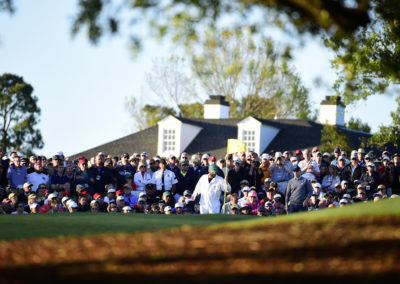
19, 115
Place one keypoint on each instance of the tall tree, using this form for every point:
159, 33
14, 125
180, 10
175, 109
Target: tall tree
357, 124
390, 133
232, 63
19, 114
332, 137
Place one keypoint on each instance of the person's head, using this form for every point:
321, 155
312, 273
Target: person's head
195, 160
361, 154
178, 208
184, 165
245, 210
127, 189
246, 191
396, 159
153, 165
212, 171
234, 198
112, 208
163, 163
341, 161
345, 185
155, 209
306, 154
221, 163
27, 187
20, 207
142, 167
337, 152
14, 198
343, 202
370, 167
382, 189
252, 197
83, 200
126, 209
99, 159
167, 196
168, 210
279, 159
171, 160
278, 199
38, 167
234, 209
94, 206
184, 156
120, 202
34, 208
296, 171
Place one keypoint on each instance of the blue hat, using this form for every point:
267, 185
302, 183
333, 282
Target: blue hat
296, 168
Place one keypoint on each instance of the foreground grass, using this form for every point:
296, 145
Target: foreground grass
52, 225
49, 225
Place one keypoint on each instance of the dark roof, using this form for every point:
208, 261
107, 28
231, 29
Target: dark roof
142, 141
293, 134
217, 100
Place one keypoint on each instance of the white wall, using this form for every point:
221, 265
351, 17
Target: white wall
216, 111
268, 133
332, 115
184, 135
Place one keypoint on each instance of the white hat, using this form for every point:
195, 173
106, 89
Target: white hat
278, 155
343, 201
120, 198
178, 205
277, 196
317, 185
126, 208
167, 208
142, 199
27, 184
73, 204
93, 202
265, 156
246, 188
370, 165
142, 194
205, 156
51, 196
111, 190
64, 199
33, 205
346, 195
326, 154
293, 159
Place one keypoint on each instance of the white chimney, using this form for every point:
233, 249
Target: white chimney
332, 111
216, 108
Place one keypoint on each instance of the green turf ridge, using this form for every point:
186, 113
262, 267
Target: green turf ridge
384, 207
64, 224
78, 224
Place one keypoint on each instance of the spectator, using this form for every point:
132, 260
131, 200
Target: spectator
142, 177
185, 178
165, 180
369, 179
99, 175
236, 175
298, 192
16, 174
280, 173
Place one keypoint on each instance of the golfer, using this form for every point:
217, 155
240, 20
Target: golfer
210, 187
299, 191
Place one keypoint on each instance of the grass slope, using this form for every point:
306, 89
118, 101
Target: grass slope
52, 225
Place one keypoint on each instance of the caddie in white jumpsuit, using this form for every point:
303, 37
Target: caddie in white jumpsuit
210, 187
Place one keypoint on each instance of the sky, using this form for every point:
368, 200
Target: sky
82, 88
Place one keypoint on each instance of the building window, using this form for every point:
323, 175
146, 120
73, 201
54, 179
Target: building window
168, 140
249, 138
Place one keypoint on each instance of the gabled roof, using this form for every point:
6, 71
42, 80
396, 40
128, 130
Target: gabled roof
294, 134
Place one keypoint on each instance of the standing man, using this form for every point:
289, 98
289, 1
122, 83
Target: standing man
99, 175
165, 179
299, 191
210, 187
16, 173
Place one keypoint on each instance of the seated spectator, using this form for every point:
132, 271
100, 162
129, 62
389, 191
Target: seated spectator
20, 210
243, 200
253, 202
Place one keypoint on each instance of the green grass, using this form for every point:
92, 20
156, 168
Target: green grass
64, 224
381, 208
49, 225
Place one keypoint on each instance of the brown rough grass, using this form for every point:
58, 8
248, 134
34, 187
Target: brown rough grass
353, 250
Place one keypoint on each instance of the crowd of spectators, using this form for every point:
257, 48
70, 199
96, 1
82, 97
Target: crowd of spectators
272, 184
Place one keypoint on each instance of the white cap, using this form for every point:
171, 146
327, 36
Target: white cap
142, 194
111, 190
293, 159
326, 154
277, 196
205, 156
33, 205
64, 199
346, 195
120, 198
370, 165
178, 205
317, 185
27, 184
246, 188
265, 156
51, 196
126, 208
278, 155
142, 199
343, 201
167, 208
74, 205
93, 202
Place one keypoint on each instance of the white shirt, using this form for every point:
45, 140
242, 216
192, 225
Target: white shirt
169, 179
303, 164
141, 181
210, 194
36, 179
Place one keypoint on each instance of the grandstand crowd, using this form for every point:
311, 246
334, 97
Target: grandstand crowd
274, 183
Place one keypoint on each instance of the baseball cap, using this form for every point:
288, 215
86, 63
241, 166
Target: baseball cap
187, 192
265, 156
119, 192
33, 205
51, 196
381, 186
167, 208
252, 194
27, 184
178, 205
120, 198
195, 158
296, 168
31, 196
213, 168
346, 195
337, 184
65, 199
293, 159
337, 150
212, 158
278, 155
370, 165
142, 194
267, 180
277, 196
343, 201
172, 156
166, 193
342, 158
111, 190
238, 161
361, 150
298, 152
246, 188
205, 156
126, 208
97, 195
317, 185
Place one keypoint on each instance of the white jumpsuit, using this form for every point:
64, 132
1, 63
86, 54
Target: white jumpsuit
210, 194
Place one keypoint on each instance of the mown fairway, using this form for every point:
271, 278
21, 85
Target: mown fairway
360, 243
